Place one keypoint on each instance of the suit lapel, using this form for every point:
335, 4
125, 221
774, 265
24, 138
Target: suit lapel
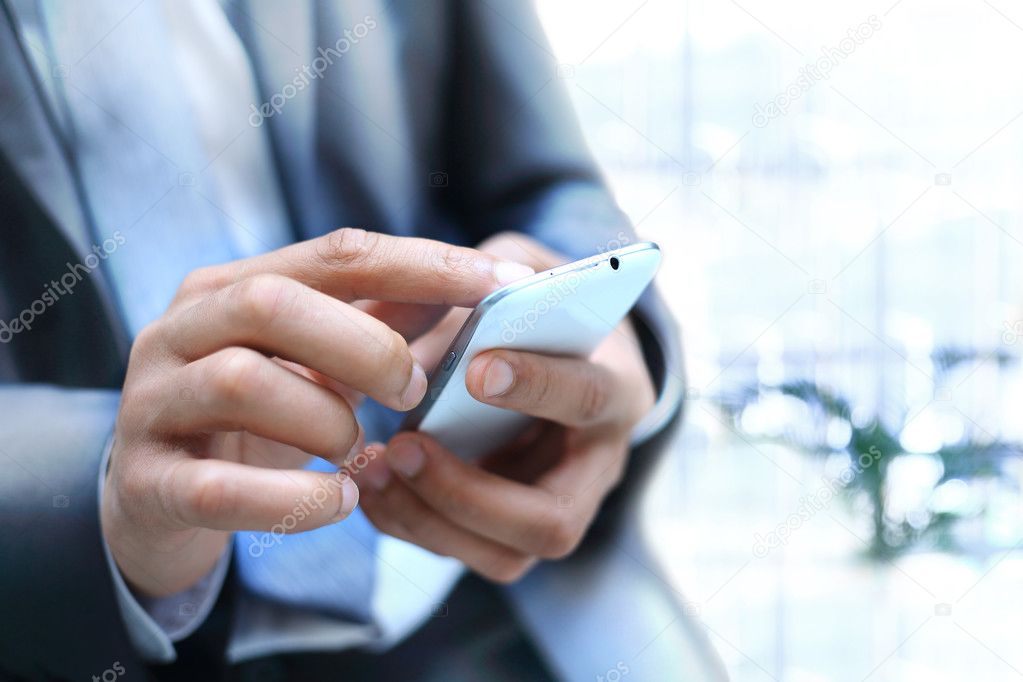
28, 139
30, 142
361, 95
276, 59
342, 141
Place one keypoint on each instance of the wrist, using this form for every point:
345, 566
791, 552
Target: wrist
157, 562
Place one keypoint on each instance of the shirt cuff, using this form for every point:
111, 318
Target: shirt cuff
155, 623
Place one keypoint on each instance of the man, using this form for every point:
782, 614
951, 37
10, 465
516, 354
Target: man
173, 174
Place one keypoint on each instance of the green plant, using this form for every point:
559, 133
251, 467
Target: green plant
878, 445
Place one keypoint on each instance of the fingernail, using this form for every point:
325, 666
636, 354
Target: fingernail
416, 388
506, 272
406, 457
498, 379
349, 498
378, 476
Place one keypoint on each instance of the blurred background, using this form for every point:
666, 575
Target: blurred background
836, 188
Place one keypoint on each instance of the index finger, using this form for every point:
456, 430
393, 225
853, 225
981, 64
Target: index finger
352, 264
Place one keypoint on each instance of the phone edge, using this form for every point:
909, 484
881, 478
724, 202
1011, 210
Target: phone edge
465, 333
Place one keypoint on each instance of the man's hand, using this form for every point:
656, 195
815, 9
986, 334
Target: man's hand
533, 498
255, 365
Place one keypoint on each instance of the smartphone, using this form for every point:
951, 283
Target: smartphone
567, 310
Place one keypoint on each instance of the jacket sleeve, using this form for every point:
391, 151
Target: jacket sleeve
518, 162
60, 616
68, 612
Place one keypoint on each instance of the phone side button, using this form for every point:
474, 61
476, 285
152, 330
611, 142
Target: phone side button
449, 361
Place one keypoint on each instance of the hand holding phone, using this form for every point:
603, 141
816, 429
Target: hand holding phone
566, 311
534, 494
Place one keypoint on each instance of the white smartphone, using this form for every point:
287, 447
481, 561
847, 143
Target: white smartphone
567, 310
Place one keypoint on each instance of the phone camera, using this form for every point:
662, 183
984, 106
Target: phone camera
614, 262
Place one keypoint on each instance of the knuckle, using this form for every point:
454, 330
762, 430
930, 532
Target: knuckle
200, 281
453, 261
540, 380
593, 399
239, 374
208, 498
147, 405
348, 247
146, 342
133, 489
261, 299
559, 538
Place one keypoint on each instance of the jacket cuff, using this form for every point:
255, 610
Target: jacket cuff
662, 352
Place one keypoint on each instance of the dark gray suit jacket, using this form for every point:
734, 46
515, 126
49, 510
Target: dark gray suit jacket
474, 136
